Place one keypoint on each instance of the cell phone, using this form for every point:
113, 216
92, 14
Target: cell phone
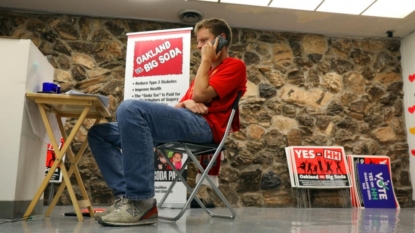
222, 42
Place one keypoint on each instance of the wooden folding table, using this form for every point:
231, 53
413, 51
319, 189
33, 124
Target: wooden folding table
70, 106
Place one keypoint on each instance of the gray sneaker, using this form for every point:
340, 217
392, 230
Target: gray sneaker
111, 208
132, 213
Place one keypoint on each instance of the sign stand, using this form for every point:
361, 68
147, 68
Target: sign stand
303, 197
51, 192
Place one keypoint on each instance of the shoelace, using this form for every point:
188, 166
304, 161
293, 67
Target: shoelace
118, 202
124, 201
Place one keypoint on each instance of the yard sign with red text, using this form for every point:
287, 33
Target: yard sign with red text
319, 167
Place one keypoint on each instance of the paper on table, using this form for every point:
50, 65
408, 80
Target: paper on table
105, 100
37, 123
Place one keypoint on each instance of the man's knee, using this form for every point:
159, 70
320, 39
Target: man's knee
96, 131
92, 132
130, 105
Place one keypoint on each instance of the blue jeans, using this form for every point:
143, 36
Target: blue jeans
140, 127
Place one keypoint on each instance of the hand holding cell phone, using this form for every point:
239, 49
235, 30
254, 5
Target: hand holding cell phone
222, 42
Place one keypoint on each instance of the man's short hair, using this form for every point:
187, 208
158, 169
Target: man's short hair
216, 27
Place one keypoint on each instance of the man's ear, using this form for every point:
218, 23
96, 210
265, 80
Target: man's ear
223, 35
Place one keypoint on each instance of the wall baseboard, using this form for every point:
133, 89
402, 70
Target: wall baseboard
16, 209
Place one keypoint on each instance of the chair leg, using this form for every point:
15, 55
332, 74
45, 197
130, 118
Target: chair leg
179, 176
216, 189
196, 189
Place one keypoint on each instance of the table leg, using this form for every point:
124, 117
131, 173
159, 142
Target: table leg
58, 161
66, 179
72, 169
72, 195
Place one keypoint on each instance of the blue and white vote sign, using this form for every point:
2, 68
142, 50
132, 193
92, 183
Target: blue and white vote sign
376, 186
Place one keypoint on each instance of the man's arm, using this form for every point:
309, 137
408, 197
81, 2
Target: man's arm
202, 91
194, 107
179, 105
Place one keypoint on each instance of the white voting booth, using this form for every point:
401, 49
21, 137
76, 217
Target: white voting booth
23, 69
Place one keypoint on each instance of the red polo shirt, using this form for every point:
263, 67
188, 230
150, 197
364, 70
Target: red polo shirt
227, 79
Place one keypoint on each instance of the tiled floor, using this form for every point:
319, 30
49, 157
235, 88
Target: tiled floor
287, 220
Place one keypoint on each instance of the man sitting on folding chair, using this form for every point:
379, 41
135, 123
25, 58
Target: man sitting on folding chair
142, 125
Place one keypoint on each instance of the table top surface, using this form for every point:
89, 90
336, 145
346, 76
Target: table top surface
71, 104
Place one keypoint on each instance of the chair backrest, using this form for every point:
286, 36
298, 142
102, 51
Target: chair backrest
206, 148
230, 120
236, 102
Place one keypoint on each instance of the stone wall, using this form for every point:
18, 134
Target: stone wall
303, 90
